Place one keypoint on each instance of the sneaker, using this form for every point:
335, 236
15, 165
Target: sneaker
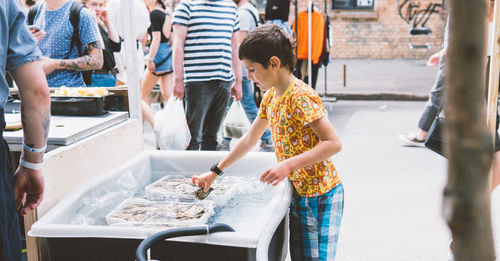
267, 145
225, 145
412, 139
451, 256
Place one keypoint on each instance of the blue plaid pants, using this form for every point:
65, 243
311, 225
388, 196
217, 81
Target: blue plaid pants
315, 225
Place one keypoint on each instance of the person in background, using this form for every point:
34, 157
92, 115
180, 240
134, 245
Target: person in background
106, 76
141, 24
20, 56
248, 15
277, 12
205, 47
159, 65
62, 62
434, 103
304, 140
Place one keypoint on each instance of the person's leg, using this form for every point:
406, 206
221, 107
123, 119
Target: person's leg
166, 86
431, 109
330, 211
197, 98
225, 144
435, 100
296, 245
304, 234
10, 234
220, 90
147, 85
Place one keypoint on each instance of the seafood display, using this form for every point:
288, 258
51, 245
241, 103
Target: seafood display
141, 212
200, 194
180, 188
173, 201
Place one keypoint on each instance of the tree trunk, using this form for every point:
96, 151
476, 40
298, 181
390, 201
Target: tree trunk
469, 146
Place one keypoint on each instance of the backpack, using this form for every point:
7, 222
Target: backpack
258, 21
74, 19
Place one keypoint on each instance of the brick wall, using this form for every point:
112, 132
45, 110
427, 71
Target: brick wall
380, 33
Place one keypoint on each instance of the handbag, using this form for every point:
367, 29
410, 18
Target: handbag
435, 139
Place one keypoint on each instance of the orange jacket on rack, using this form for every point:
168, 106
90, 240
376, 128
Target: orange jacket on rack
317, 35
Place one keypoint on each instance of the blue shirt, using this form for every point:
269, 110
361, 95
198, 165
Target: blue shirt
56, 44
17, 45
207, 50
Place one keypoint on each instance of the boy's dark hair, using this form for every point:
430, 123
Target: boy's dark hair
266, 41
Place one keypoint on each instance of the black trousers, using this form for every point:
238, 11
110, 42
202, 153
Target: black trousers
10, 234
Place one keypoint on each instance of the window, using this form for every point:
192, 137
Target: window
353, 4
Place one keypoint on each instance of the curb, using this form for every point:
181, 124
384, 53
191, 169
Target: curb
378, 96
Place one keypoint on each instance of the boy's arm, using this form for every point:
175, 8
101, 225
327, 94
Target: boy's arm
92, 61
329, 145
244, 145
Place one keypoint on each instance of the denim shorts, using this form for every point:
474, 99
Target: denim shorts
103, 80
164, 50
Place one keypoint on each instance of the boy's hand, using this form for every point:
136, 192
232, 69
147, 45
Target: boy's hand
205, 180
276, 174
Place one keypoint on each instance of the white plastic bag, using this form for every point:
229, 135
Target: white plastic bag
236, 123
172, 131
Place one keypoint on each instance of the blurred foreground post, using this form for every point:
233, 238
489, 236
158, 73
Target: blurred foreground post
467, 196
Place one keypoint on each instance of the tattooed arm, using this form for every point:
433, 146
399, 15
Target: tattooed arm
35, 116
93, 60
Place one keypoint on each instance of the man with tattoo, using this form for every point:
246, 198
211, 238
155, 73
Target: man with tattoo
19, 56
54, 32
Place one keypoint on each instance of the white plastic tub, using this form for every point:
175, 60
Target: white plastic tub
261, 231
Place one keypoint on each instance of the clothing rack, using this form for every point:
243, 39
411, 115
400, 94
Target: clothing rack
310, 9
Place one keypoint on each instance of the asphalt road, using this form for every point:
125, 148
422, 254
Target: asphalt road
392, 192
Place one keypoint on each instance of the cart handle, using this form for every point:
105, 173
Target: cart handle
140, 253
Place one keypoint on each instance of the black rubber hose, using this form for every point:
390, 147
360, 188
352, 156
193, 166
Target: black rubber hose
140, 253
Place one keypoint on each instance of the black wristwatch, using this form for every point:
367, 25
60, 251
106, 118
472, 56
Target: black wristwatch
216, 169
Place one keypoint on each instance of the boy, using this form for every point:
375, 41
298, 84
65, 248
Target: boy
304, 141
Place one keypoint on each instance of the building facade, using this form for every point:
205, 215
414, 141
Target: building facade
379, 29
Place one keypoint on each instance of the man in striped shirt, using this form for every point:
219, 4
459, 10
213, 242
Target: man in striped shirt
206, 65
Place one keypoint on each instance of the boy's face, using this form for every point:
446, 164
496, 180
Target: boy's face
262, 77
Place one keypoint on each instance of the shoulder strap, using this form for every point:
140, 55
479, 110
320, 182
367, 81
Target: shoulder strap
253, 16
32, 13
74, 18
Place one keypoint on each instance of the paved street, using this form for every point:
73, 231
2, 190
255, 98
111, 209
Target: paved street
392, 192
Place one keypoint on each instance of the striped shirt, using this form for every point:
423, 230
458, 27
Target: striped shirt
207, 50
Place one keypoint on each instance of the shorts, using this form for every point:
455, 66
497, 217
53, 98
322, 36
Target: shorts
163, 60
103, 80
315, 225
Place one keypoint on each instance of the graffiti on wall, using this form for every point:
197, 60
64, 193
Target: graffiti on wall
412, 12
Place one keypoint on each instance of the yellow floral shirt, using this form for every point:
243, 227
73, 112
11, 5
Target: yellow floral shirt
289, 117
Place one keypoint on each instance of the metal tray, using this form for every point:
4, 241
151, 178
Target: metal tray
78, 105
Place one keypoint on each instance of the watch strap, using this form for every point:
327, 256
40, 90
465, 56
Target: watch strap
216, 169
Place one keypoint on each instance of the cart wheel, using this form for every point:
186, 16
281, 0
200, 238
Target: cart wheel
140, 253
